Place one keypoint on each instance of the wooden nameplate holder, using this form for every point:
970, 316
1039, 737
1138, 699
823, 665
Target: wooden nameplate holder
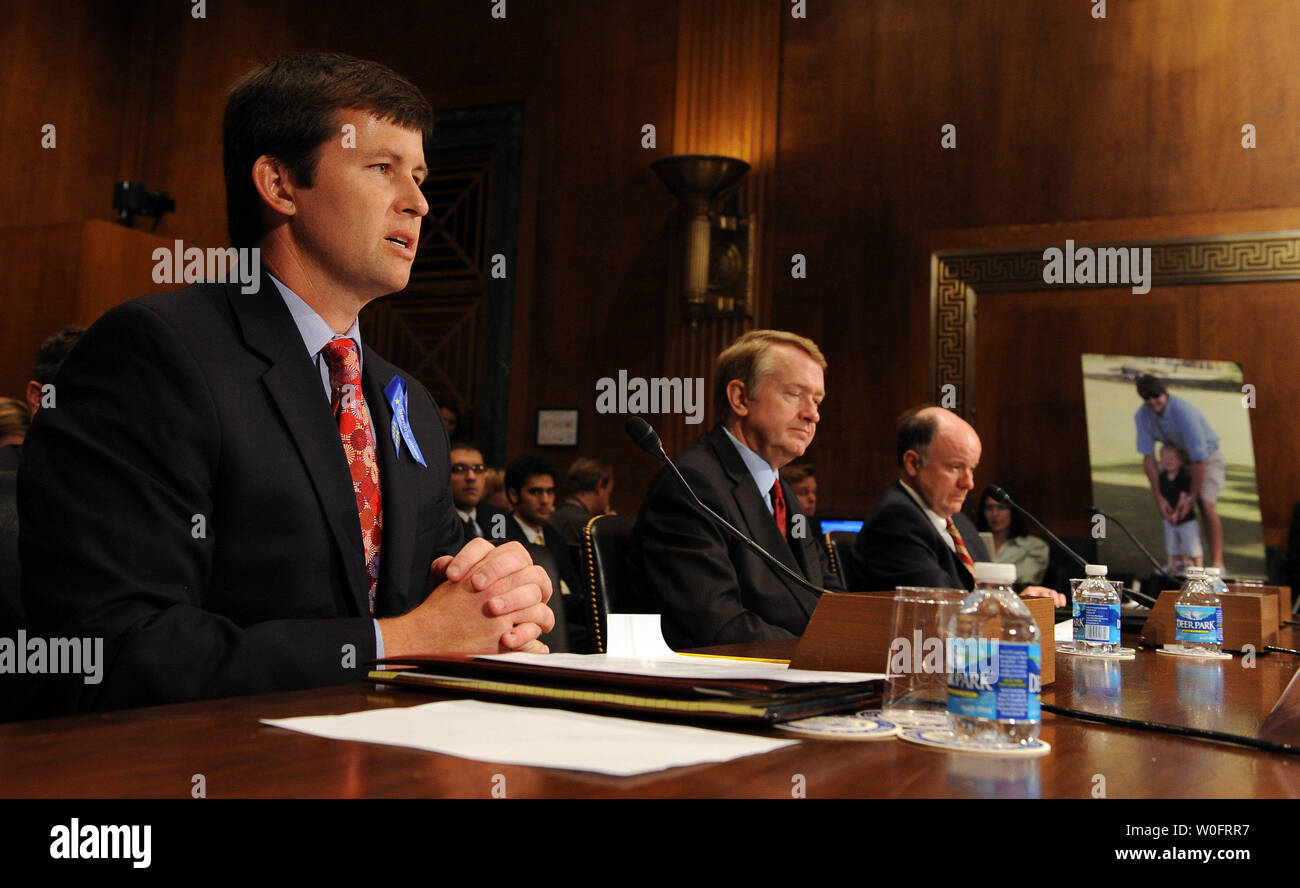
1283, 594
1249, 618
849, 632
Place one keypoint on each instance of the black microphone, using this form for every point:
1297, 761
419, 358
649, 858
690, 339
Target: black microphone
1003, 497
1159, 568
647, 439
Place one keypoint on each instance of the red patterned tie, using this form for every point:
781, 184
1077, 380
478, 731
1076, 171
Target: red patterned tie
359, 447
962, 552
778, 506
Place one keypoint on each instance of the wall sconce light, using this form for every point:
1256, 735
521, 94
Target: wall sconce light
720, 242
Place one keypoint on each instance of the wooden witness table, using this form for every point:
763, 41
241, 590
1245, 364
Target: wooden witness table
155, 752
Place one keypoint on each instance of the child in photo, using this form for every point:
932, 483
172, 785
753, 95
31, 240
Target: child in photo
1182, 536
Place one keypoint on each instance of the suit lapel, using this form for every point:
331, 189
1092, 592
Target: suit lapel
759, 523
955, 568
396, 479
294, 385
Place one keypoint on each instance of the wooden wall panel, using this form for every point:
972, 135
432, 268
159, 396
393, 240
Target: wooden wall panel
63, 274
1058, 117
67, 67
594, 220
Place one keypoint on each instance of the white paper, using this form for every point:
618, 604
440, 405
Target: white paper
1064, 631
637, 647
638, 637
539, 738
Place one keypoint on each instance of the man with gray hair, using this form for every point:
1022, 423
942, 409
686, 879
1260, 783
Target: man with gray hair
709, 587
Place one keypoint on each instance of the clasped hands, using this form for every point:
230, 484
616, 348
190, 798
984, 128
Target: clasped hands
484, 600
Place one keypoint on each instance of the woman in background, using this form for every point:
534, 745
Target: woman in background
1012, 543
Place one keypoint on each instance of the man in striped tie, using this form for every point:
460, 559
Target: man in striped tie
918, 535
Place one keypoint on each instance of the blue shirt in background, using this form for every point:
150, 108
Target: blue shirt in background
1181, 425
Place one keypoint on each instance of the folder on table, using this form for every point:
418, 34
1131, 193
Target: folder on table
760, 701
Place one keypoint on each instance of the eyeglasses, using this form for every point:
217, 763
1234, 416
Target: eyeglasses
462, 468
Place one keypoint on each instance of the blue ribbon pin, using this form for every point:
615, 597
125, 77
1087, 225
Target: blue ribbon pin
395, 391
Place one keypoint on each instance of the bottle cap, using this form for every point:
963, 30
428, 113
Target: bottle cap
1194, 571
995, 574
1095, 570
1212, 571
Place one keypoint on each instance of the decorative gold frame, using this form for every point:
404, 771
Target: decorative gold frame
958, 276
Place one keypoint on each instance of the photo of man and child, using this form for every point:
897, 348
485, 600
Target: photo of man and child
1172, 458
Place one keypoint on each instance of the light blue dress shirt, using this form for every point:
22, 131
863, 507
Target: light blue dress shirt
1182, 425
763, 474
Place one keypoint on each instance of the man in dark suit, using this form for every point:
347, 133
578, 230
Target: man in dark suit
918, 535
530, 487
234, 493
480, 520
590, 485
708, 586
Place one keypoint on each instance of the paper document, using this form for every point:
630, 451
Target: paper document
637, 647
539, 738
637, 636
1064, 631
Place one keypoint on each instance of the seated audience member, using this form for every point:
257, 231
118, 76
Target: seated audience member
530, 487
1012, 542
709, 587
467, 473
802, 478
49, 358
14, 422
590, 485
451, 419
494, 489
917, 534
217, 496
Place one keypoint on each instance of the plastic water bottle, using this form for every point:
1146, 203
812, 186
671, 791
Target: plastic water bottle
1096, 612
995, 682
1198, 615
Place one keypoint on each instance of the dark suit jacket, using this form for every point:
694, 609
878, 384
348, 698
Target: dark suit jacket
898, 546
709, 587
574, 608
570, 520
190, 502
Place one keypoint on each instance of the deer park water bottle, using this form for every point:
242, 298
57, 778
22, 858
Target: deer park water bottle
996, 661
1096, 612
1198, 615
